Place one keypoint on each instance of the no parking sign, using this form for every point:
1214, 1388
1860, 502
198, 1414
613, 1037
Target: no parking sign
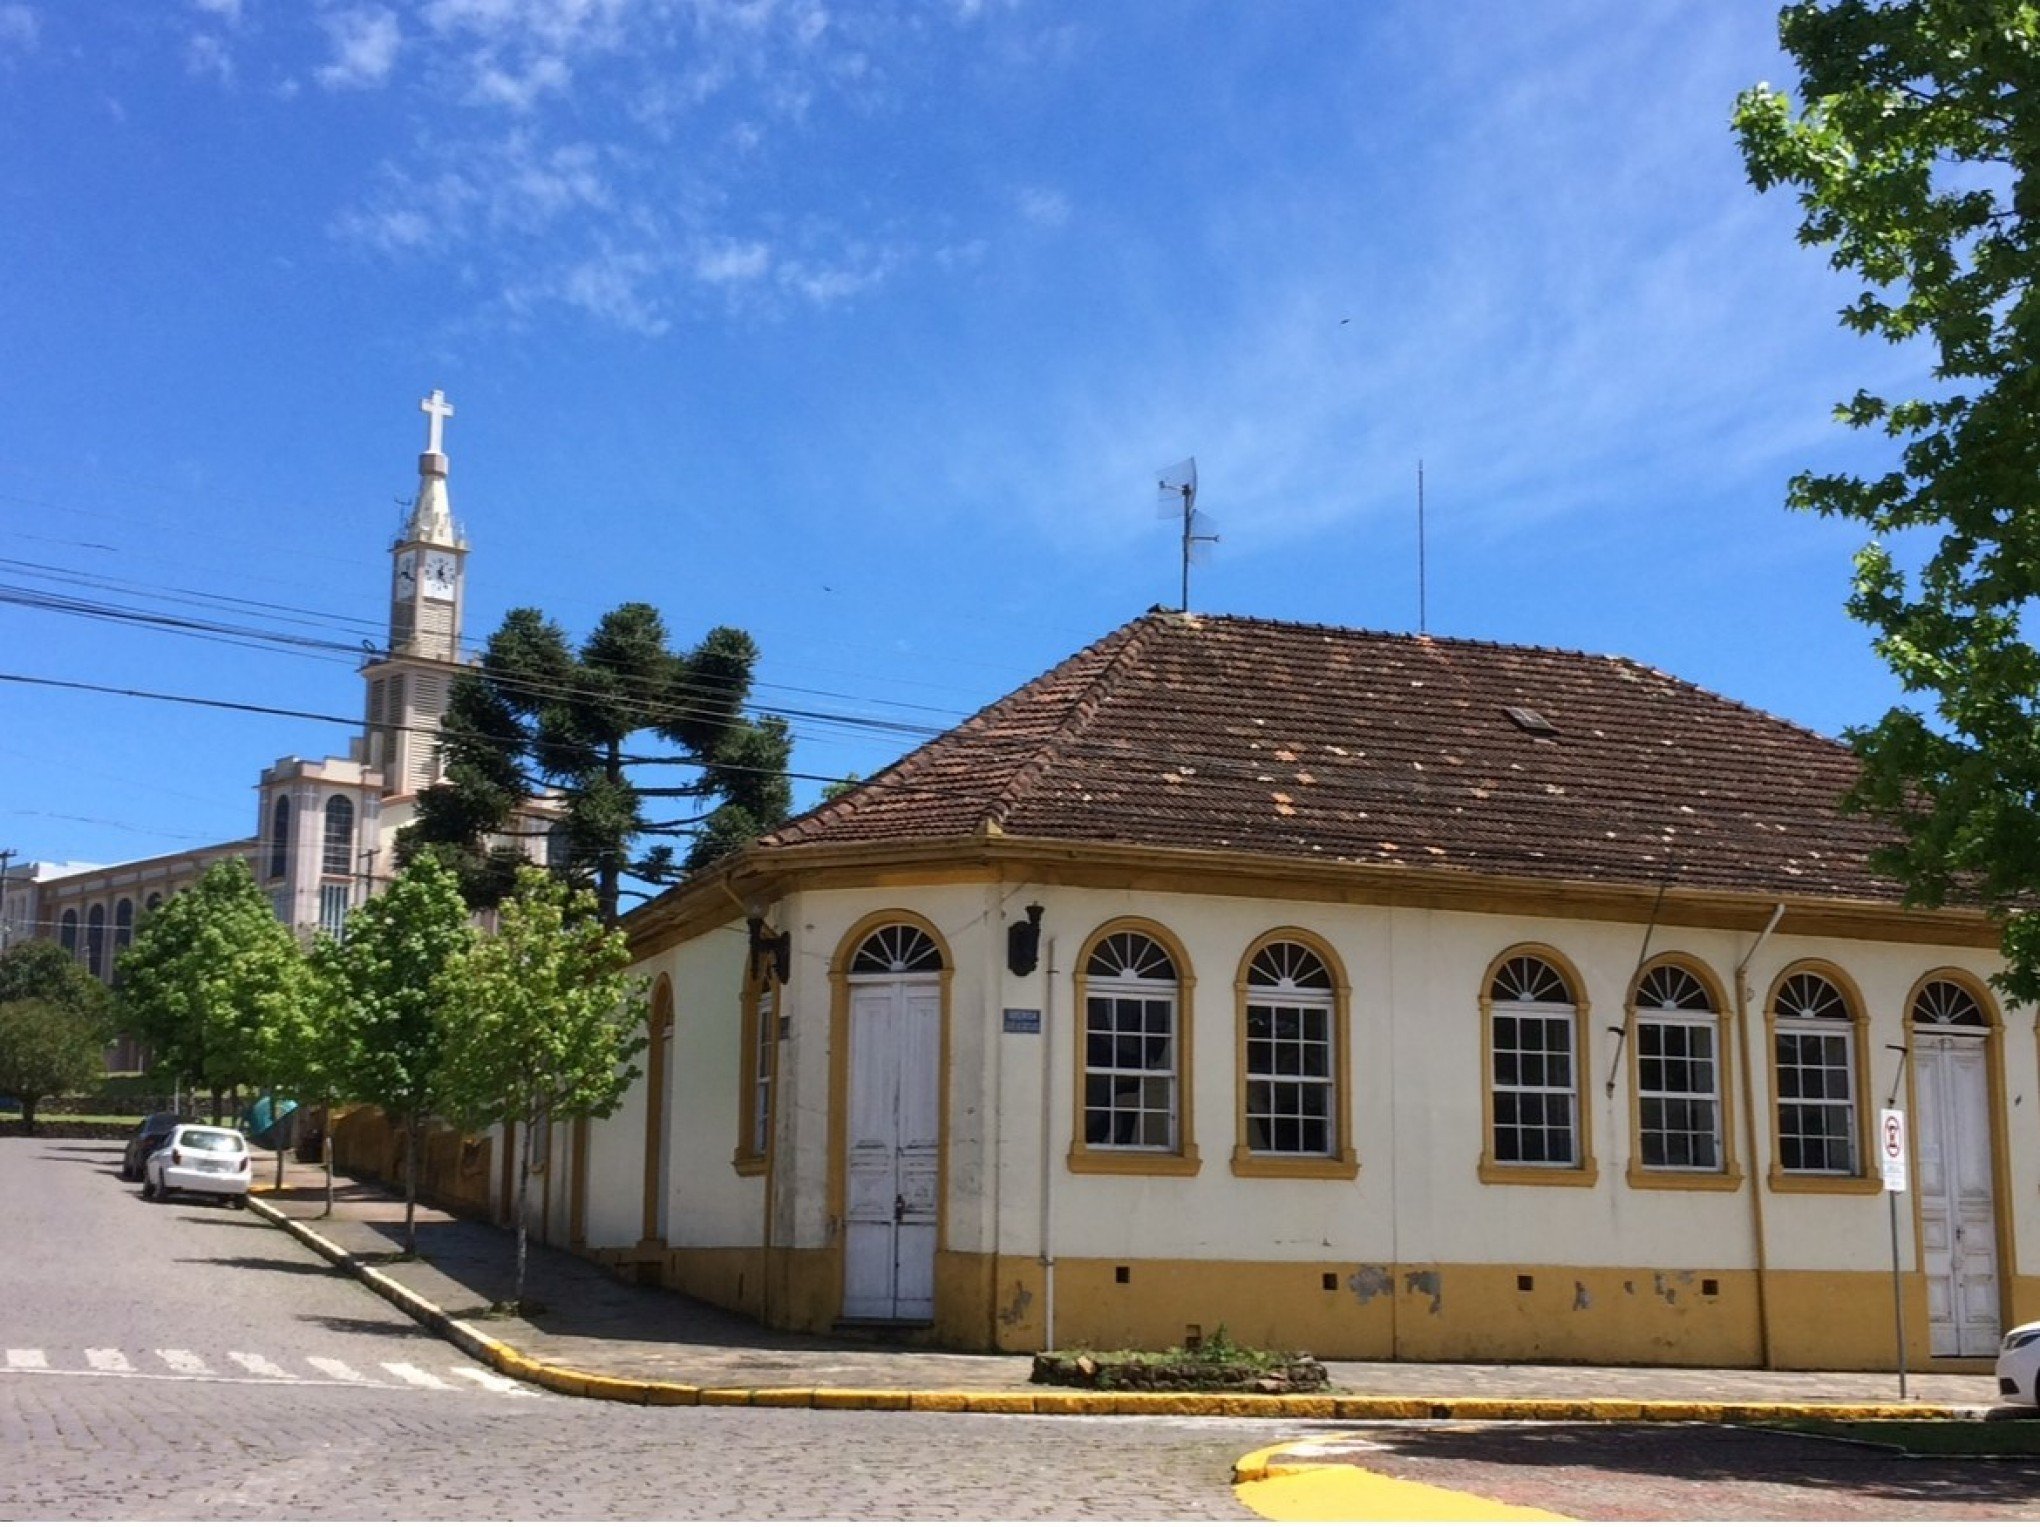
1891, 1149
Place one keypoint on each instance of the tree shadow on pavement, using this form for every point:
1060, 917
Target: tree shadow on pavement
1704, 1454
262, 1264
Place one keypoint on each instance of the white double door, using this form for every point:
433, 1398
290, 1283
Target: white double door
894, 1150
1958, 1214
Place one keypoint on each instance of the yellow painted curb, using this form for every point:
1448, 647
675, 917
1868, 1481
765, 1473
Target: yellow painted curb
1343, 1492
862, 1399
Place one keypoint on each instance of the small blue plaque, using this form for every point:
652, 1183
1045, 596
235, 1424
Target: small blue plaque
1023, 1020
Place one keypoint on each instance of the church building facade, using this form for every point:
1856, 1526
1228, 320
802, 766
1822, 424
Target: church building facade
325, 827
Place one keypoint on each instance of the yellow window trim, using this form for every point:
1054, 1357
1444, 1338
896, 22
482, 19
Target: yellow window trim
1586, 1173
1247, 1162
1183, 1160
1539, 1176
1651, 1178
1730, 1175
1131, 1163
1862, 1180
1343, 1167
746, 1160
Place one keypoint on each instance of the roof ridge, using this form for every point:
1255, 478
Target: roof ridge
1083, 706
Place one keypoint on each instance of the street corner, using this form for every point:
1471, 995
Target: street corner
1316, 1480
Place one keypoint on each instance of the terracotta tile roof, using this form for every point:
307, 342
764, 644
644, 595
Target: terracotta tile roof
1316, 743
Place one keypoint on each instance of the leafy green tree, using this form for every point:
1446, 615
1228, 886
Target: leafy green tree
216, 984
47, 1049
43, 968
1915, 150
539, 718
393, 1006
552, 1023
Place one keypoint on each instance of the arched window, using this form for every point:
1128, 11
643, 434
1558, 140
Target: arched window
1132, 1051
1814, 1053
123, 924
279, 837
155, 901
67, 930
1534, 1065
1292, 1054
339, 855
95, 939
1677, 1071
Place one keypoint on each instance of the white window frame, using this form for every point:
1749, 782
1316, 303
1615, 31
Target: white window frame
1118, 996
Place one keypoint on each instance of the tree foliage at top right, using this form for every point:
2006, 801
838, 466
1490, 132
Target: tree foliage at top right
1914, 146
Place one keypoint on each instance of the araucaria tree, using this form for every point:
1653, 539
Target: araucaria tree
594, 728
217, 985
550, 1026
1915, 148
392, 1005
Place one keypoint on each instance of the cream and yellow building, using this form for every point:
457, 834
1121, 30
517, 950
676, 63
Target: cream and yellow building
1385, 996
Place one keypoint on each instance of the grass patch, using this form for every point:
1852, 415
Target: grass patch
1216, 1364
2015, 1438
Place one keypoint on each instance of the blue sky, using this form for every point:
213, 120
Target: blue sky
867, 327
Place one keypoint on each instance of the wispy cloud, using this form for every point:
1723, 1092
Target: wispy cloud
365, 44
732, 264
227, 10
206, 57
20, 28
1043, 207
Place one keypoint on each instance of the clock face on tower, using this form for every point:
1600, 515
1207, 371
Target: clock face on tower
438, 575
407, 573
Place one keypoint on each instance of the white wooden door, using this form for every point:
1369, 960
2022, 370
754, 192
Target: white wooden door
1958, 1217
894, 1134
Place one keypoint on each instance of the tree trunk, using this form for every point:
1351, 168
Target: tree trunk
276, 1132
608, 873
411, 1183
28, 1115
523, 1194
326, 1149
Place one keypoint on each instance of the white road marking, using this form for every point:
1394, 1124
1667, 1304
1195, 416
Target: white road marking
260, 1366
333, 1368
108, 1360
182, 1361
499, 1383
411, 1373
27, 1357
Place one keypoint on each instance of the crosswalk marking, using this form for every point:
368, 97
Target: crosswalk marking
411, 1373
501, 1383
178, 1363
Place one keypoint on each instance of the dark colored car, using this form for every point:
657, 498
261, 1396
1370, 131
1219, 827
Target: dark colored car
147, 1139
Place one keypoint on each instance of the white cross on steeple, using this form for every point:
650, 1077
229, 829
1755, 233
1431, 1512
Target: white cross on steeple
440, 411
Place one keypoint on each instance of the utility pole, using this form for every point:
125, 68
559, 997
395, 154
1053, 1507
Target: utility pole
6, 922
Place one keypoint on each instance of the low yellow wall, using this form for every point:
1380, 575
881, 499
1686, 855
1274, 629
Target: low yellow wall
453, 1168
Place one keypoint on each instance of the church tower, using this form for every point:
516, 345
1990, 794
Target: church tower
408, 687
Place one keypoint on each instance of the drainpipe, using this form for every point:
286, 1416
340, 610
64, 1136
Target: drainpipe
1048, 1149
1749, 1111
995, 1116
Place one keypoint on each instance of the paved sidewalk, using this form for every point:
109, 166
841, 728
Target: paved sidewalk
592, 1333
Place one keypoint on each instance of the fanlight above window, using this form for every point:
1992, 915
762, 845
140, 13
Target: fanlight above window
1948, 1002
1288, 967
1528, 979
896, 949
1672, 988
1811, 998
1130, 956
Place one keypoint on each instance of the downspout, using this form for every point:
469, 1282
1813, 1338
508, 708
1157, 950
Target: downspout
995, 1116
1048, 1151
1749, 1112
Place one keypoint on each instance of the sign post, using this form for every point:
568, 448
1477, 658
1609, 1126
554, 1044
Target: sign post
1891, 1161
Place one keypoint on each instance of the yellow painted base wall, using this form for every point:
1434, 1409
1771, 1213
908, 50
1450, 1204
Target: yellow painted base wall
1457, 1314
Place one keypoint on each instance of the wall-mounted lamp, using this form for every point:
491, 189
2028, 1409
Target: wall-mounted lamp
1023, 942
775, 947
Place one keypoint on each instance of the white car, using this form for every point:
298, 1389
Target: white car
2018, 1365
200, 1158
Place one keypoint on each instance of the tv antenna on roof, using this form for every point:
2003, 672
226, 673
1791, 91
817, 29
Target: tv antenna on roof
1178, 492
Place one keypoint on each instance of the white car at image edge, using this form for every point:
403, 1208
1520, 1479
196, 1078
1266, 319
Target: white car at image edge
200, 1158
2018, 1365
